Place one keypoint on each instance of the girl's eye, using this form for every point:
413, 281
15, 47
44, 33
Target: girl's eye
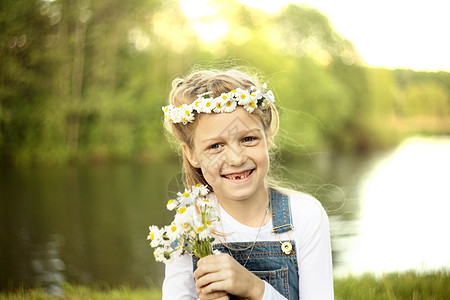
248, 139
214, 147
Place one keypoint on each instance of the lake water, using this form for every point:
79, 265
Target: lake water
88, 224
403, 221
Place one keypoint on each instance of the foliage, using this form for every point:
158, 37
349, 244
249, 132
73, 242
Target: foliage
84, 81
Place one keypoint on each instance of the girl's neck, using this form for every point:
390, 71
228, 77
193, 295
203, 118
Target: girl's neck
249, 211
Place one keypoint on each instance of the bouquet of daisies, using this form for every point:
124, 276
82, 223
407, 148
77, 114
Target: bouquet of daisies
192, 230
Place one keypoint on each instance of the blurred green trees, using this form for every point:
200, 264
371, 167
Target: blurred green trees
83, 80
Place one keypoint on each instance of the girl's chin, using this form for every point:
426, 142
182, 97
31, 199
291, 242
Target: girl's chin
237, 195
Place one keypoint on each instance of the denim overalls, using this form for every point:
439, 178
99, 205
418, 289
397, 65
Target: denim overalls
267, 259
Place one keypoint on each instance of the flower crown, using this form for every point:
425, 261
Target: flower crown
226, 102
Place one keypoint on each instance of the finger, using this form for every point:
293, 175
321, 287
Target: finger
212, 277
211, 263
226, 297
211, 259
217, 286
215, 295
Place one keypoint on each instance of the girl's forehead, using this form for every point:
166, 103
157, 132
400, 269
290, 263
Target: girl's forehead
227, 125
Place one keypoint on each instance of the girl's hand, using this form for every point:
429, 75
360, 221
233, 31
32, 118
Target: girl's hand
214, 295
217, 275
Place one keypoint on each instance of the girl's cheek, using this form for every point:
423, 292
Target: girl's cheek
214, 165
211, 167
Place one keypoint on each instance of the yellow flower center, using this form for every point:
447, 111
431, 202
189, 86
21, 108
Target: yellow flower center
185, 225
166, 109
208, 104
229, 103
251, 104
243, 96
200, 229
182, 210
170, 201
187, 113
152, 236
198, 185
185, 195
173, 228
224, 97
208, 222
218, 105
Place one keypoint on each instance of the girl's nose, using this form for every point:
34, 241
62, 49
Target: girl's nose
235, 156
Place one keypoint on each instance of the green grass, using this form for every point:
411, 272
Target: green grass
393, 286
75, 292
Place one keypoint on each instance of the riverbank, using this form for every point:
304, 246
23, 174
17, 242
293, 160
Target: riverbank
407, 285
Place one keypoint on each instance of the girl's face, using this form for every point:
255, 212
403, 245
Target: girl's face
232, 152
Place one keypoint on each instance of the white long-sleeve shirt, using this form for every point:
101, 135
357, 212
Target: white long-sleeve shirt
312, 240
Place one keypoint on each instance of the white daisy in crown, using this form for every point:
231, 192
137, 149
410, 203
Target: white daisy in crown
228, 103
240, 94
269, 99
197, 105
206, 105
187, 113
247, 102
219, 104
225, 103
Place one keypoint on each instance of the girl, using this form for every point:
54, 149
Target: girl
275, 242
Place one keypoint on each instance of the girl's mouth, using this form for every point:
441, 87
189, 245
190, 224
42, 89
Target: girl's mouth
239, 175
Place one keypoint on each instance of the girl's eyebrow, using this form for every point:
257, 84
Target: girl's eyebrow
230, 133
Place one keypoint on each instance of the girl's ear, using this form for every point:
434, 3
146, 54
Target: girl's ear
189, 153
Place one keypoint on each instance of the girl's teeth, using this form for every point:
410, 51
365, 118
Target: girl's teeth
235, 177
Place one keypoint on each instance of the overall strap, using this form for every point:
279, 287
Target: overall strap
281, 212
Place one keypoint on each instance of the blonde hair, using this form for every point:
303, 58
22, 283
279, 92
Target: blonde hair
185, 91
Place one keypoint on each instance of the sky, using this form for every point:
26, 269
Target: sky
387, 33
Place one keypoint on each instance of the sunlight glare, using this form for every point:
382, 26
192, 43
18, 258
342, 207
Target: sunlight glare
393, 34
203, 20
210, 32
197, 8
